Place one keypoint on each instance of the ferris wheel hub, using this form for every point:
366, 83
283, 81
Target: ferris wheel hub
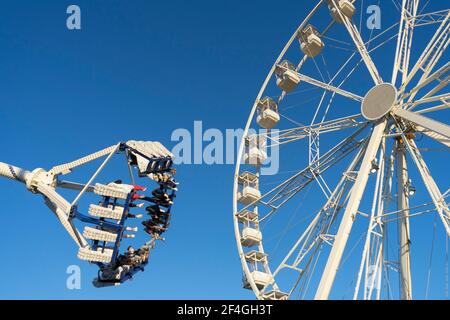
379, 101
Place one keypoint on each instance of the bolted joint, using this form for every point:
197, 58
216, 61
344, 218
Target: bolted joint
37, 176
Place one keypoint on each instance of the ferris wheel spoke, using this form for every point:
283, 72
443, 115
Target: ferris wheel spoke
326, 86
303, 251
436, 196
440, 98
355, 67
425, 19
439, 138
430, 95
375, 229
441, 76
330, 88
289, 135
282, 193
359, 43
349, 215
404, 41
435, 108
432, 53
432, 128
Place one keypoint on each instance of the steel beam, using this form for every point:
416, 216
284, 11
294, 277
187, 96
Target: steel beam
360, 46
404, 42
403, 221
340, 242
371, 233
425, 122
433, 189
432, 53
329, 87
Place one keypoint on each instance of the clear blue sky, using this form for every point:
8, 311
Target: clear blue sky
137, 70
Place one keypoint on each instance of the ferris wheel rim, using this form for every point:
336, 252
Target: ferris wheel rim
242, 145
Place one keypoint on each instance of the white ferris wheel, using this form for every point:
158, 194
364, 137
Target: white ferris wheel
359, 207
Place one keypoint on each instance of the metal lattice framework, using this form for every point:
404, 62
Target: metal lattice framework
107, 220
379, 147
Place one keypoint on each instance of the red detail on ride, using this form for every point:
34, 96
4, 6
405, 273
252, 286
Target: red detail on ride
139, 188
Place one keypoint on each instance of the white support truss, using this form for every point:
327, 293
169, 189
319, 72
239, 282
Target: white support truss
301, 255
372, 256
428, 18
432, 53
441, 76
432, 128
404, 42
436, 195
404, 241
334, 259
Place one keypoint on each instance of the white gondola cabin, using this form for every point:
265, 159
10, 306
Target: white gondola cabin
310, 42
261, 279
346, 7
251, 237
256, 259
268, 116
246, 217
256, 262
248, 192
249, 229
255, 150
287, 77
